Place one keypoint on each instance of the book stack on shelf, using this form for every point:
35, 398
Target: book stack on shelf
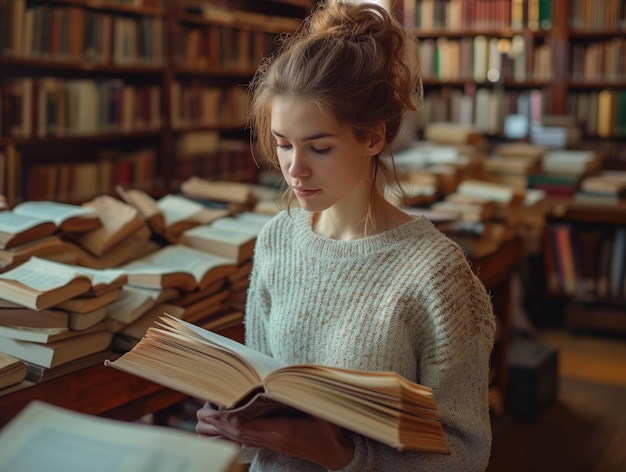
233, 238
123, 236
511, 163
40, 285
36, 228
562, 171
488, 214
608, 187
169, 216
12, 370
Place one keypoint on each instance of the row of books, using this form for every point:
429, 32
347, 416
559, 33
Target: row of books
454, 15
116, 268
586, 16
81, 181
483, 59
48, 106
218, 47
484, 108
601, 113
196, 104
599, 61
586, 262
75, 34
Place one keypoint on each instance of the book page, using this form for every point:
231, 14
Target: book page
260, 362
177, 208
177, 257
57, 212
12, 223
67, 441
42, 275
113, 213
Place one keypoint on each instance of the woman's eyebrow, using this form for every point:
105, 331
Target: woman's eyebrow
308, 138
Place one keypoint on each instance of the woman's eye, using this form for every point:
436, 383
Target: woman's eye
322, 150
283, 147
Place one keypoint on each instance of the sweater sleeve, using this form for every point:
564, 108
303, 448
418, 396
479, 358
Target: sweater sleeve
457, 338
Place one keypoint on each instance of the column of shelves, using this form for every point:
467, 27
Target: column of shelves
483, 60
216, 50
533, 57
81, 96
597, 72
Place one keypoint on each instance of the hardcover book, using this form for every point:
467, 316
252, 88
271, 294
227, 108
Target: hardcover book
381, 405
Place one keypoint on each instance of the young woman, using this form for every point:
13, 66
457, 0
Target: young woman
346, 278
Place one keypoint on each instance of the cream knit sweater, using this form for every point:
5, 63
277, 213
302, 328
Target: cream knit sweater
405, 300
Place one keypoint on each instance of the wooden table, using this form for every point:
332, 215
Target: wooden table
108, 392
99, 390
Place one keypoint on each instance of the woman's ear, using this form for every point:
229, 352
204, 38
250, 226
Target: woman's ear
377, 138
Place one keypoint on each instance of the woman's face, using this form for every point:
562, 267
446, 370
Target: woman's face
320, 159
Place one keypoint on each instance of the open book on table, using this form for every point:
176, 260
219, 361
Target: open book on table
381, 405
48, 438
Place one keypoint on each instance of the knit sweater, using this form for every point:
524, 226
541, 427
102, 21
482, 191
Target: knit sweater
404, 300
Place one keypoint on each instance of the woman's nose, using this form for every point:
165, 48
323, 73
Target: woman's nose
298, 166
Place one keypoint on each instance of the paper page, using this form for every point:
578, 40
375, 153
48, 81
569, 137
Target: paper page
42, 275
262, 363
50, 439
185, 259
57, 212
177, 208
12, 223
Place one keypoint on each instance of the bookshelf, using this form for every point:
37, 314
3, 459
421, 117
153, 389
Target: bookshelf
141, 93
530, 57
585, 259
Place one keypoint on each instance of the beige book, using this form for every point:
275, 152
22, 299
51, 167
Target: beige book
81, 321
72, 441
178, 266
140, 326
40, 284
84, 304
60, 350
170, 215
37, 373
18, 229
12, 370
42, 247
380, 405
220, 191
235, 243
131, 248
119, 221
27, 318
65, 216
132, 303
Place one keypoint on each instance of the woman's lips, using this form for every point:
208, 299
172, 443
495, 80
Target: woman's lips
304, 192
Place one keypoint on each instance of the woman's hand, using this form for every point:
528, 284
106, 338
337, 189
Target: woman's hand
204, 426
307, 437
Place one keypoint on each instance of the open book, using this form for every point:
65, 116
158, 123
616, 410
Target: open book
47, 437
381, 405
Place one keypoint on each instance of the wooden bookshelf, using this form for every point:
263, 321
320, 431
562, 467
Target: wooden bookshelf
128, 71
585, 257
534, 57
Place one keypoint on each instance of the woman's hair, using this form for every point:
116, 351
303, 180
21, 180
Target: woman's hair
354, 60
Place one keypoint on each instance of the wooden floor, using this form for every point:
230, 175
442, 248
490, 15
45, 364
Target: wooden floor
585, 429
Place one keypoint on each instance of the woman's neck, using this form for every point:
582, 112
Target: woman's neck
348, 226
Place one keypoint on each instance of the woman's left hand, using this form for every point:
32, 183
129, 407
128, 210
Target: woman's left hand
307, 437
